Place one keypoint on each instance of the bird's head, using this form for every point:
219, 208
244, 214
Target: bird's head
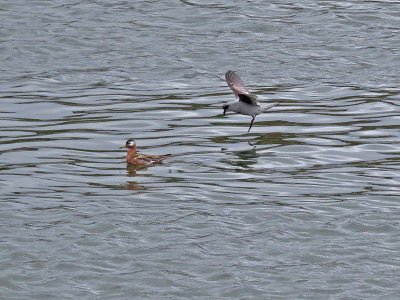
129, 144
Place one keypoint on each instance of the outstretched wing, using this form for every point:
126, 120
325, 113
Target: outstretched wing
237, 86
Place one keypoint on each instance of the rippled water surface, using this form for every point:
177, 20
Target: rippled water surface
305, 206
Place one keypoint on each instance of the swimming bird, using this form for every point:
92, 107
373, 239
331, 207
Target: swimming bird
248, 103
135, 158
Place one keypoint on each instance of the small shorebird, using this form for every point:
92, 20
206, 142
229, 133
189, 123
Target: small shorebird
248, 103
135, 158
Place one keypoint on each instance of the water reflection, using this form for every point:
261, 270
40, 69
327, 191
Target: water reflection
245, 159
134, 171
134, 186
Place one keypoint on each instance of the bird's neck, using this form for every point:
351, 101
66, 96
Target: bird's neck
131, 153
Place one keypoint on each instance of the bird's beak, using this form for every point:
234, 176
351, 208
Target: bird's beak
225, 108
122, 147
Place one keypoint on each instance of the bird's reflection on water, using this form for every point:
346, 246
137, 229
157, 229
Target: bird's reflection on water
246, 158
132, 171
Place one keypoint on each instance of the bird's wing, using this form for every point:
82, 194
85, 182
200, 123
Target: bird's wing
237, 86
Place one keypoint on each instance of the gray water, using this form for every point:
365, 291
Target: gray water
304, 206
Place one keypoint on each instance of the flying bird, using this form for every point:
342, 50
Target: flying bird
248, 103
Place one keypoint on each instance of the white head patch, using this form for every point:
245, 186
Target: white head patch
130, 143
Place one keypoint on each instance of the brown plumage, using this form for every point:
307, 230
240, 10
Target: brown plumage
135, 158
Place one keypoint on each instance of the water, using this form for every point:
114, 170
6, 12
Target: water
304, 206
